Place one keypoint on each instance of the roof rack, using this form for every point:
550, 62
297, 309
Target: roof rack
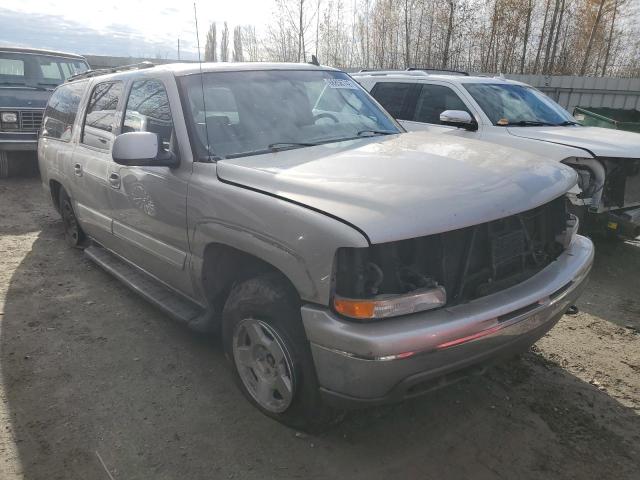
105, 71
391, 72
415, 71
446, 70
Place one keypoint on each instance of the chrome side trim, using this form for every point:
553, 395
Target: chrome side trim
385, 358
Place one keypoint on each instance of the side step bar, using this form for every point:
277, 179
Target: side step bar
170, 302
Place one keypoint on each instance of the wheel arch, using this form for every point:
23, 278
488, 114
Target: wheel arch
55, 187
224, 266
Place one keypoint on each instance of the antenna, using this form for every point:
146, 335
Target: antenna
204, 106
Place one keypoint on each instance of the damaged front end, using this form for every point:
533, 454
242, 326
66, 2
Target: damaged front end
450, 268
610, 188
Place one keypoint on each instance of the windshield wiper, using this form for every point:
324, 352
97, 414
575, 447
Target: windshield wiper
273, 147
375, 132
276, 147
279, 146
566, 123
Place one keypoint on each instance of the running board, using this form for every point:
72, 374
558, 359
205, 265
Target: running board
170, 302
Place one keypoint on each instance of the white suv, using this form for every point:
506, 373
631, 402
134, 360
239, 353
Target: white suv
515, 114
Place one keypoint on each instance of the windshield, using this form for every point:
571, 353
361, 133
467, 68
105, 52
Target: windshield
520, 105
37, 71
253, 112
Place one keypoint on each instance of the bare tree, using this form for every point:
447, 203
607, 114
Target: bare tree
551, 63
505, 36
447, 42
238, 54
594, 28
251, 44
540, 43
301, 47
210, 48
613, 22
525, 40
224, 44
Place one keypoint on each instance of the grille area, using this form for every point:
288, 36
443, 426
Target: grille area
470, 262
30, 120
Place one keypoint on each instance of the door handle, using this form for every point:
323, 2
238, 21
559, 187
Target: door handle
77, 170
114, 180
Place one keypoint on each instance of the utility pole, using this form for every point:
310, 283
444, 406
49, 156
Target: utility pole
178, 48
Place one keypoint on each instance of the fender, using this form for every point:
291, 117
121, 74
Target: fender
259, 244
296, 240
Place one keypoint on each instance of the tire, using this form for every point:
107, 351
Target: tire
73, 234
265, 341
4, 164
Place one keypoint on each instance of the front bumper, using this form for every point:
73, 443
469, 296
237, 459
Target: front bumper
386, 361
18, 141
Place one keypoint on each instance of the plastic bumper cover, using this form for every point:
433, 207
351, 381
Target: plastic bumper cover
386, 361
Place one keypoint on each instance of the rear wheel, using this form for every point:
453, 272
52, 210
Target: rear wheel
73, 233
265, 340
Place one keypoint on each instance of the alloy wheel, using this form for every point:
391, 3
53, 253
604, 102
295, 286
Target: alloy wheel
264, 364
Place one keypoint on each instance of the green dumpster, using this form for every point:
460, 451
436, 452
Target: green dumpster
616, 118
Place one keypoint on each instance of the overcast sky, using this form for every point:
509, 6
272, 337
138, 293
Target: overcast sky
141, 28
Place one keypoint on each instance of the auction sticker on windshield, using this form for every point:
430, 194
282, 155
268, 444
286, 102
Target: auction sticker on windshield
341, 83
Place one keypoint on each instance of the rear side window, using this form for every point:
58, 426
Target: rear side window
435, 99
101, 113
393, 96
50, 70
148, 111
61, 111
9, 66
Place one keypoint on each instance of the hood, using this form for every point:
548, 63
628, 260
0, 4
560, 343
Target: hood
23, 97
600, 142
407, 185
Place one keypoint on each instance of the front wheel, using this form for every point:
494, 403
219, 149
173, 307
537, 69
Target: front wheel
265, 341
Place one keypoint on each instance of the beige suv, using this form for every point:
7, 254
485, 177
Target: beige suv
343, 261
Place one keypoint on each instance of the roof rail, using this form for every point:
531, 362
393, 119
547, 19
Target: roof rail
445, 70
105, 71
414, 71
391, 72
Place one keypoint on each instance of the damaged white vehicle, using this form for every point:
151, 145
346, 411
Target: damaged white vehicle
515, 114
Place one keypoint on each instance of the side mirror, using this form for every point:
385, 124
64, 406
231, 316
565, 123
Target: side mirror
458, 118
141, 149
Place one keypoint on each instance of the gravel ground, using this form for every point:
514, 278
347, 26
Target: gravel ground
97, 384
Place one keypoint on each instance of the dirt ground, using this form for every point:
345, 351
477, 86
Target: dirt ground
97, 384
